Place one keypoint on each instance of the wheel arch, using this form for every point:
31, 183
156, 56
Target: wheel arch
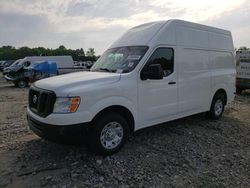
220, 91
125, 112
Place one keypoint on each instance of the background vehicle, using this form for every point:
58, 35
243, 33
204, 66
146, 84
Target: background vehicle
84, 64
243, 70
38, 70
18, 69
64, 63
13, 67
1, 64
6, 64
156, 72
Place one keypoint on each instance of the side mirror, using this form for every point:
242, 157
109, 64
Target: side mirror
154, 72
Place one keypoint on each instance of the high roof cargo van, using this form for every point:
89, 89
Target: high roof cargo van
154, 73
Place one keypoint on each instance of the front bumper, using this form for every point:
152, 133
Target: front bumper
60, 134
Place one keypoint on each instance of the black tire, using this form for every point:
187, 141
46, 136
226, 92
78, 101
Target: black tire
239, 90
218, 101
22, 83
95, 143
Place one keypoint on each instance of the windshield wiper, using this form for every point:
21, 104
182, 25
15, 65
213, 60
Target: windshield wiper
107, 70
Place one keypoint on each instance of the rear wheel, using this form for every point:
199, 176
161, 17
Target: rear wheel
108, 134
217, 106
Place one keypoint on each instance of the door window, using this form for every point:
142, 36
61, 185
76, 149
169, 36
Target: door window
164, 57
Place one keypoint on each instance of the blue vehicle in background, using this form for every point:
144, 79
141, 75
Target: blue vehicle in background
29, 74
42, 70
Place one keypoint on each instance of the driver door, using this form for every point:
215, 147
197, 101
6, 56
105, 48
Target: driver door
158, 99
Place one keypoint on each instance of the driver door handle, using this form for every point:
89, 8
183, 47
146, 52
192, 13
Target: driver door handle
171, 83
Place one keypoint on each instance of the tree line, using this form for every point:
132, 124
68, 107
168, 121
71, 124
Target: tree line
12, 53
243, 48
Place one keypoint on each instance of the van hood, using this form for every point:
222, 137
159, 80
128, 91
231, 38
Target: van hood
68, 82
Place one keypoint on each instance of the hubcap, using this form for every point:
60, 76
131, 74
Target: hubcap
218, 107
111, 135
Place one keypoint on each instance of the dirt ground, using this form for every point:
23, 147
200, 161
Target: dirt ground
191, 152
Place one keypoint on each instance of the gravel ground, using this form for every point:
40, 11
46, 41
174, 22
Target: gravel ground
190, 152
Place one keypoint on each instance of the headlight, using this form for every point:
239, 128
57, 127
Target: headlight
66, 105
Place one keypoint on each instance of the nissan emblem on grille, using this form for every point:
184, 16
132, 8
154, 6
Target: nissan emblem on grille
34, 99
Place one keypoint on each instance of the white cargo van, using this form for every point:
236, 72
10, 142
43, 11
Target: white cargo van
243, 70
63, 62
156, 72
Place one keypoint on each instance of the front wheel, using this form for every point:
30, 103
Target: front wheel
217, 106
21, 83
108, 134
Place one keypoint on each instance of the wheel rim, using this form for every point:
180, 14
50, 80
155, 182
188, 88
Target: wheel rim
111, 135
218, 107
21, 84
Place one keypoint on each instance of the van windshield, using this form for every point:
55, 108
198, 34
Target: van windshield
120, 60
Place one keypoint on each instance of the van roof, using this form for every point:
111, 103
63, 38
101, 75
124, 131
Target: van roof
200, 26
165, 32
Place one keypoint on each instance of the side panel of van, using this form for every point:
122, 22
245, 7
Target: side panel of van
194, 76
223, 72
194, 80
62, 61
203, 63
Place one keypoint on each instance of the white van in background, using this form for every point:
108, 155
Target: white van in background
65, 64
19, 73
243, 70
156, 72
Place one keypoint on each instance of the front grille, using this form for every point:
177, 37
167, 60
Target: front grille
41, 101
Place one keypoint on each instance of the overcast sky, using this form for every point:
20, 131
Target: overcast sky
97, 23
